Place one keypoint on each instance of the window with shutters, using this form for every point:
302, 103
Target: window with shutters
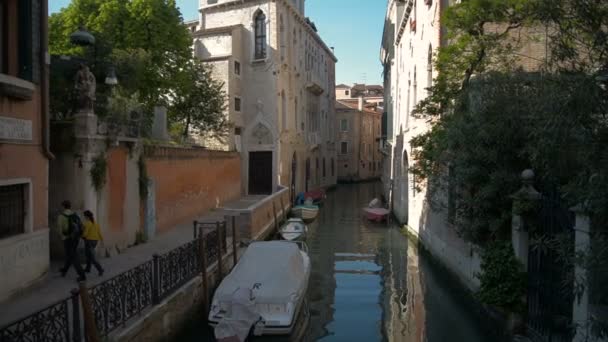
344, 147
12, 210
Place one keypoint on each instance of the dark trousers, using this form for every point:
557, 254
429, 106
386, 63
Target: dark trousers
89, 252
71, 256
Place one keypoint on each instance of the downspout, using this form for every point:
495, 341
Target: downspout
44, 80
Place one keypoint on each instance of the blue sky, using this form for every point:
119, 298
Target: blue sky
352, 27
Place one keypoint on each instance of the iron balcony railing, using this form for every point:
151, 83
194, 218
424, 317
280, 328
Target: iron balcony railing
117, 300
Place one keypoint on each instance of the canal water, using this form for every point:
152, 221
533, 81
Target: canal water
370, 283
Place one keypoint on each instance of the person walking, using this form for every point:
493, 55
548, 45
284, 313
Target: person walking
91, 236
70, 230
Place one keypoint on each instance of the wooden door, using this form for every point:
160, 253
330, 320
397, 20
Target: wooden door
260, 173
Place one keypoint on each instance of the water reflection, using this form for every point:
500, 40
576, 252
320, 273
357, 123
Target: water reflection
369, 283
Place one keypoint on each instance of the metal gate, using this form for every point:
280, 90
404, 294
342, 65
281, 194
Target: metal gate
12, 210
550, 286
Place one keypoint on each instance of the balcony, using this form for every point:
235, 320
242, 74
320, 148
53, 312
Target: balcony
314, 84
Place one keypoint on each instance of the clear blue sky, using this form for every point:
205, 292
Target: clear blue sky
352, 27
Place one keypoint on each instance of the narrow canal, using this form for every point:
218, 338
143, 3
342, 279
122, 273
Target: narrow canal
369, 283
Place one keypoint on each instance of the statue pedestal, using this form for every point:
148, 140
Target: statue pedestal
85, 123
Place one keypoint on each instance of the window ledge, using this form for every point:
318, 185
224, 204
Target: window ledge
16, 88
259, 61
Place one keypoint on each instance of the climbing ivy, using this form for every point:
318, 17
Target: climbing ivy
99, 171
143, 177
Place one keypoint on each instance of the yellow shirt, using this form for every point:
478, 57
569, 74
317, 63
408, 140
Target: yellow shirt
91, 231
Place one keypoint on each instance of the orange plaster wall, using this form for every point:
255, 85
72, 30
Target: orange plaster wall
190, 182
24, 159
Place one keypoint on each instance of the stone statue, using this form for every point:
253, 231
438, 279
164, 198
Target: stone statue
85, 87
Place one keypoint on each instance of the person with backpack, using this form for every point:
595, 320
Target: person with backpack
70, 229
91, 236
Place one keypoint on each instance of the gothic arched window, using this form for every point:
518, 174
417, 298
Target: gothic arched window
260, 35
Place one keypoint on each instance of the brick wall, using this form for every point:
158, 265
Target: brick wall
189, 182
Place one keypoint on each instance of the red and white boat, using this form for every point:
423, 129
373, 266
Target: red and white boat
376, 214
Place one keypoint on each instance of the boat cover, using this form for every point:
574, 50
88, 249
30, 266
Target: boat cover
274, 270
243, 315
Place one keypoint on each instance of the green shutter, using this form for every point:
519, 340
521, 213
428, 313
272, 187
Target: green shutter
25, 39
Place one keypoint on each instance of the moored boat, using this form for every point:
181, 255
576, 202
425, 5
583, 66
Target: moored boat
307, 212
376, 214
266, 290
294, 230
317, 196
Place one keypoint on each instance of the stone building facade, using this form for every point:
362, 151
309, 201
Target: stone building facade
358, 139
280, 79
24, 147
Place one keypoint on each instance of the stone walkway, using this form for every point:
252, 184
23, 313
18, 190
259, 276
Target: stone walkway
54, 288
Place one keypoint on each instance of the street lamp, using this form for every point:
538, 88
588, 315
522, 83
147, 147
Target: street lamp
111, 79
82, 37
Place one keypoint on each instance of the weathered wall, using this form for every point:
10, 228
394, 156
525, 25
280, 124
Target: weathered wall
191, 181
258, 221
24, 258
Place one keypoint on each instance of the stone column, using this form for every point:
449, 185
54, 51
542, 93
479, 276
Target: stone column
85, 131
582, 246
519, 232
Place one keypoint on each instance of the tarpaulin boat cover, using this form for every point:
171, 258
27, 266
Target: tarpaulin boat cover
274, 270
243, 315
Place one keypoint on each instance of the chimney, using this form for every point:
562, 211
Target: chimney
360, 103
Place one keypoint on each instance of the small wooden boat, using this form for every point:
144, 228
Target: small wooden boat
317, 196
307, 212
294, 230
376, 214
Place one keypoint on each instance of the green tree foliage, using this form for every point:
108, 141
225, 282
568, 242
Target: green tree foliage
200, 101
493, 120
144, 39
503, 281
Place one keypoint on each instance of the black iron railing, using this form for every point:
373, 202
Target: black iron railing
52, 324
177, 267
117, 300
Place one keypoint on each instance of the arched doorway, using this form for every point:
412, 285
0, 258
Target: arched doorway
404, 190
294, 174
307, 174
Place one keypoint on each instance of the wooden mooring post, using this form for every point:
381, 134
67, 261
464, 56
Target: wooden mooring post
203, 262
274, 214
235, 251
220, 274
90, 327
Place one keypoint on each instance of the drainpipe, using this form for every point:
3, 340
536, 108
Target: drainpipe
44, 81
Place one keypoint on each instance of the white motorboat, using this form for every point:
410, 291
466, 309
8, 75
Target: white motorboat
277, 274
294, 230
307, 213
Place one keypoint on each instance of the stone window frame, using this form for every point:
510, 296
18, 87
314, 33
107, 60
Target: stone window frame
343, 144
344, 125
237, 68
18, 83
238, 103
260, 33
28, 221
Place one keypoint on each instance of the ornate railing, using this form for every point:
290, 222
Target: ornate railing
123, 297
177, 267
52, 324
117, 300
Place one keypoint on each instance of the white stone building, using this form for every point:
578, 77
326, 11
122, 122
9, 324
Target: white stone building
280, 79
411, 35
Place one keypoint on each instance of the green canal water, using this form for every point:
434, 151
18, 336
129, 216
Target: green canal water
370, 283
